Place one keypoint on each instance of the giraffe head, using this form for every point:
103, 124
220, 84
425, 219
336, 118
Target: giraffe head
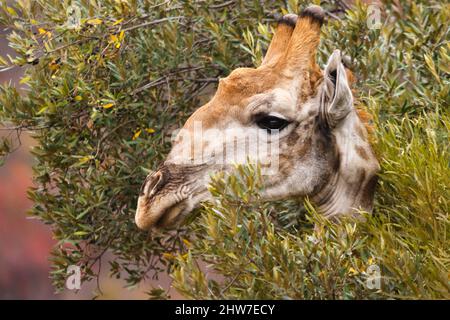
290, 116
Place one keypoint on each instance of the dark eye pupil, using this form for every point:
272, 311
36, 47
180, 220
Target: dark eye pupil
271, 123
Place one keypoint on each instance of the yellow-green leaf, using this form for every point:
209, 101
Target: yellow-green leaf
352, 271
430, 63
85, 159
168, 256
24, 80
121, 35
11, 11
232, 255
187, 243
137, 134
108, 105
42, 110
94, 22
113, 38
80, 233
117, 22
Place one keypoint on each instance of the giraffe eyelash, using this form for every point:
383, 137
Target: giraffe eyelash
271, 122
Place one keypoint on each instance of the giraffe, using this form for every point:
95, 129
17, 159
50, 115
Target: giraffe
322, 147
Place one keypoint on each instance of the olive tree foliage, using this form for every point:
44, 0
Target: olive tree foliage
106, 83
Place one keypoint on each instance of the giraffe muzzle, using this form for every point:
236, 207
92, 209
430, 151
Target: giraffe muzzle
161, 200
152, 205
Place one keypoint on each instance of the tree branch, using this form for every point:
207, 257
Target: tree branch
151, 23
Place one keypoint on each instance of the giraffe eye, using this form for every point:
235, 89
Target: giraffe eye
271, 122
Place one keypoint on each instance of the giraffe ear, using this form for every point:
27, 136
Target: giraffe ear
336, 99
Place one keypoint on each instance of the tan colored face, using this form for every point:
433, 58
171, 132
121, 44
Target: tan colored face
286, 115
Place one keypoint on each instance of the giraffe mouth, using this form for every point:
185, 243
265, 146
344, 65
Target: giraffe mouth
167, 196
165, 212
160, 214
170, 216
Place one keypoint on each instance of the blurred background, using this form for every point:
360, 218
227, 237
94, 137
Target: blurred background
25, 243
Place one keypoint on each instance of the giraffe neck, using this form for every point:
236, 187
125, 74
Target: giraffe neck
339, 197
351, 187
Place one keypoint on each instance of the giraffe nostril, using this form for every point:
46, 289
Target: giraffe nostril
153, 183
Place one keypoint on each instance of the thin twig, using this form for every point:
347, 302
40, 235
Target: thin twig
344, 5
151, 23
222, 5
162, 79
230, 283
160, 4
98, 276
67, 45
332, 15
201, 80
23, 127
8, 68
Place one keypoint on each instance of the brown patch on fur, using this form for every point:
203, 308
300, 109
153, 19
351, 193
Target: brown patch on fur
324, 141
368, 192
360, 131
305, 89
362, 178
365, 118
285, 165
311, 80
337, 160
292, 139
304, 147
316, 78
362, 153
350, 77
312, 112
